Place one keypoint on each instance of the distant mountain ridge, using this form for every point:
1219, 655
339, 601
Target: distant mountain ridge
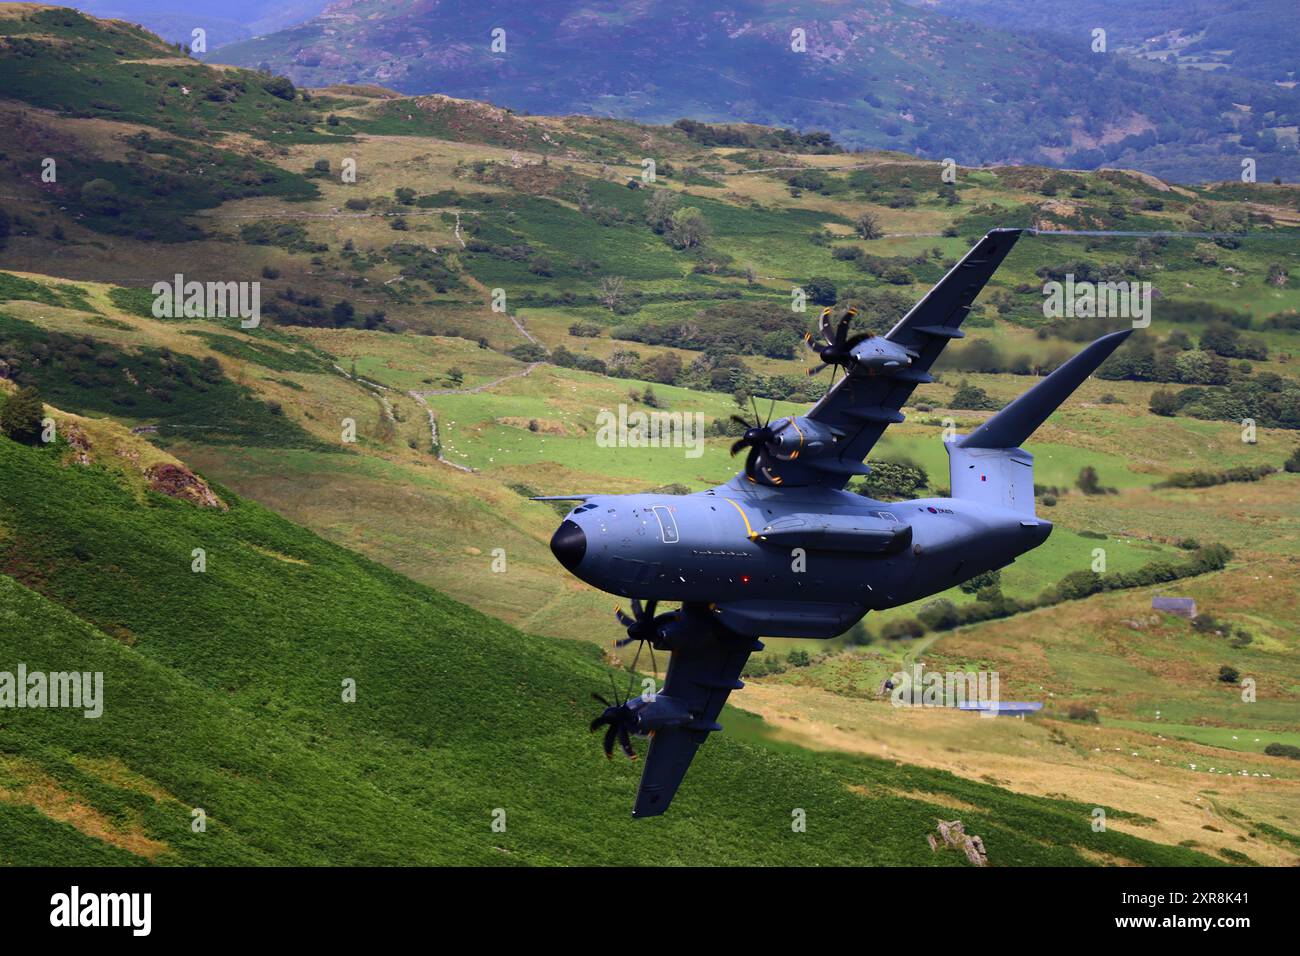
880, 74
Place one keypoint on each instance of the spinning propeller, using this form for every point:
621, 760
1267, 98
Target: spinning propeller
620, 719
621, 722
756, 438
838, 350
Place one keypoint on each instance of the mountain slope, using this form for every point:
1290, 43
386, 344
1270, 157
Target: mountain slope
880, 74
223, 691
1259, 39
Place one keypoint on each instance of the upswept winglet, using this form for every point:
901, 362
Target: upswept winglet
1014, 424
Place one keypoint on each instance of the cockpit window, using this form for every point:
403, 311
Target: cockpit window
667, 524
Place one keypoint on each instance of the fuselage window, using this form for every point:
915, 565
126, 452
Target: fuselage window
667, 524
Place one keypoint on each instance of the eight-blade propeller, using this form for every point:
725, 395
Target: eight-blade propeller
621, 722
756, 438
619, 717
838, 350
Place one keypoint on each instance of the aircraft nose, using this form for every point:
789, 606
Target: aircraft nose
569, 544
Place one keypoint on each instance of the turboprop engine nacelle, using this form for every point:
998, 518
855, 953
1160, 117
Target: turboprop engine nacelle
878, 354
798, 437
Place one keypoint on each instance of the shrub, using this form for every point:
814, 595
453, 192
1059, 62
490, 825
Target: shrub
902, 627
21, 415
940, 615
1283, 750
280, 86
1229, 675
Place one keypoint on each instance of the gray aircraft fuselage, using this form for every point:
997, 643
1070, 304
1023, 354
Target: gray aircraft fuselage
793, 562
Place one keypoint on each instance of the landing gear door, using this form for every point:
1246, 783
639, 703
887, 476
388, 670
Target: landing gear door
667, 524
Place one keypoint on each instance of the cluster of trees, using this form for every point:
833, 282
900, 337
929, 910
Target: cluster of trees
991, 603
1177, 360
714, 372
1269, 400
683, 226
1207, 479
895, 270
970, 397
290, 307
752, 137
981, 355
740, 328
893, 480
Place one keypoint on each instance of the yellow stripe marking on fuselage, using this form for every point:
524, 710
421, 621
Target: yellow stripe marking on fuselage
749, 532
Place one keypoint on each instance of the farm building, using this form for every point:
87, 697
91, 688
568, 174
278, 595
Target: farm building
1183, 607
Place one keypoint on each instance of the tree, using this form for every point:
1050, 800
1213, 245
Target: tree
688, 228
940, 615
893, 480
659, 209
1088, 482
343, 313
280, 86
821, 290
868, 226
986, 580
1228, 674
455, 377
611, 291
21, 414
970, 397
1164, 402
100, 196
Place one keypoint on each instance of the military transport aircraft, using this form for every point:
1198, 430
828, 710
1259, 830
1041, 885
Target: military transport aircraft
782, 550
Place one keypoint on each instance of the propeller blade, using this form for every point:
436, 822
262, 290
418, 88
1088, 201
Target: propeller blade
857, 340
771, 407
736, 446
599, 722
637, 611
751, 460
825, 324
808, 341
740, 421
623, 618
626, 743
609, 741
842, 330
817, 370
650, 608
601, 700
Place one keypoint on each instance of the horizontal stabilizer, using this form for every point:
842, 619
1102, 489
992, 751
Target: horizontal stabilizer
1010, 427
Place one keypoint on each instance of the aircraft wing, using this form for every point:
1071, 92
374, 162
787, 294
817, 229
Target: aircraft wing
701, 675
862, 407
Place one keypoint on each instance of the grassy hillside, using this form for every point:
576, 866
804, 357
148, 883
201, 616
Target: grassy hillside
223, 691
